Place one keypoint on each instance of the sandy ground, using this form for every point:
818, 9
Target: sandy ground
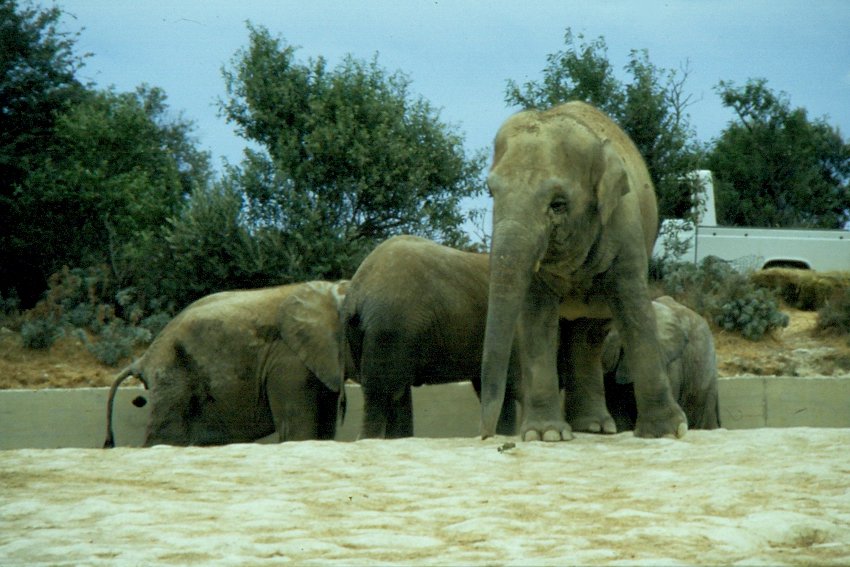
767, 496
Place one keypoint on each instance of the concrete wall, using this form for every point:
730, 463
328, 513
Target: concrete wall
77, 417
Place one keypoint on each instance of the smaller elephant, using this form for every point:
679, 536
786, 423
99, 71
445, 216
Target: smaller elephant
415, 314
237, 366
687, 349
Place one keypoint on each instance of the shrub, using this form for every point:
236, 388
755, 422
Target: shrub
753, 315
10, 310
40, 334
834, 316
155, 323
116, 341
704, 287
724, 296
82, 315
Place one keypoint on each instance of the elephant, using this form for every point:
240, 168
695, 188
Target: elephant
236, 366
414, 314
687, 348
574, 221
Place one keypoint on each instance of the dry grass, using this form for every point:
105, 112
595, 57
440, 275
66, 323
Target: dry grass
803, 289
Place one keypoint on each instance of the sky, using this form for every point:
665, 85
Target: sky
459, 54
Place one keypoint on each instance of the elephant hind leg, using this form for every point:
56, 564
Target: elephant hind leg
585, 406
400, 422
620, 399
507, 424
376, 410
386, 373
387, 414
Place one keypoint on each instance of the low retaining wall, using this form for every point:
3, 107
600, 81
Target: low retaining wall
44, 419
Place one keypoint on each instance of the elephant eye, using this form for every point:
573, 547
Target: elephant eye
559, 205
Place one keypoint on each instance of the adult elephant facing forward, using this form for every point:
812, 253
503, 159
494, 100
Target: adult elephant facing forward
574, 220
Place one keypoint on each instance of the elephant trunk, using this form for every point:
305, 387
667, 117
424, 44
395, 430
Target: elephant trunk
513, 256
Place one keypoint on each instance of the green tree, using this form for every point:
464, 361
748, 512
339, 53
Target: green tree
349, 157
117, 168
651, 108
37, 83
774, 166
209, 247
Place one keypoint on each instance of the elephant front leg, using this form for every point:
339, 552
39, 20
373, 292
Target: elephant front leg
658, 413
586, 409
537, 336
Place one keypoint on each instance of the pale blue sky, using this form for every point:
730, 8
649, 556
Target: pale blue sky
459, 54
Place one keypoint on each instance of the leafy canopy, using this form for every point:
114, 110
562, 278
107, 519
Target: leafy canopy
37, 83
347, 157
774, 166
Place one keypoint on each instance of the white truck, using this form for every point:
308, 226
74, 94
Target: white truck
751, 248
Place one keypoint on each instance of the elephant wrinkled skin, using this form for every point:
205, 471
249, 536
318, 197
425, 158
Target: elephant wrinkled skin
237, 366
687, 347
574, 221
415, 314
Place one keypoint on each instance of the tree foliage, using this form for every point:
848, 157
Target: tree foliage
651, 108
37, 83
116, 169
349, 157
775, 167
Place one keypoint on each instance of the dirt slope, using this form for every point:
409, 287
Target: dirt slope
793, 352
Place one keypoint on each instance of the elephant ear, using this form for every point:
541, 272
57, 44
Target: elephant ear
310, 325
609, 174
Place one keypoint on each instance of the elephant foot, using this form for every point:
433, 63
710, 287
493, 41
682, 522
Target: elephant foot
546, 431
594, 423
669, 423
591, 417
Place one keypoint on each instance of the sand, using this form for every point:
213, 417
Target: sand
763, 496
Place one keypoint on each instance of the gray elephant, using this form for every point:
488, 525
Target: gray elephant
574, 220
687, 348
415, 314
237, 366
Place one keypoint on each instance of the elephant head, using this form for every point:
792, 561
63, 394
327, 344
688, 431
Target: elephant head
574, 218
310, 320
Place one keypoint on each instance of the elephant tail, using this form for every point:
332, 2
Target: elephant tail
129, 370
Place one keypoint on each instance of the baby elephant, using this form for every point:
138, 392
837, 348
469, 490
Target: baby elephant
237, 366
415, 314
688, 351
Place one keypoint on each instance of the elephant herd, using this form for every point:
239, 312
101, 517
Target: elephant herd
555, 327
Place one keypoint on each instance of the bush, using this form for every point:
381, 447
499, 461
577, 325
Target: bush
116, 341
155, 323
834, 316
10, 310
704, 287
86, 300
40, 334
724, 296
753, 315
